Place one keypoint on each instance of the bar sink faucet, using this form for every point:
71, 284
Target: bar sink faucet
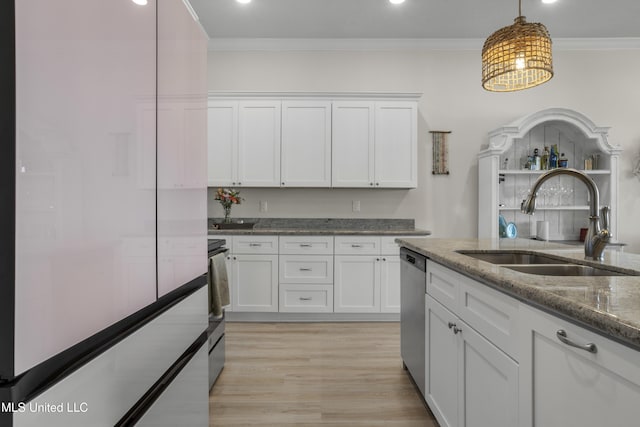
597, 238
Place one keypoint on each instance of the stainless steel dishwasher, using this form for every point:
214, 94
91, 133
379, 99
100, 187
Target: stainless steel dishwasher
412, 314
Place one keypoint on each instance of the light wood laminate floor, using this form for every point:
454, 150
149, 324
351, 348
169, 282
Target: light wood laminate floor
314, 374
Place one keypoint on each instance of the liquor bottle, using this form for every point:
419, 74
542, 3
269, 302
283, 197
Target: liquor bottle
553, 158
544, 162
563, 162
536, 160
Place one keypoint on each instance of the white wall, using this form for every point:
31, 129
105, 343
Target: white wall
603, 85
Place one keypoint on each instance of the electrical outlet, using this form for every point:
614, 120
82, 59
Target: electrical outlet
356, 205
263, 206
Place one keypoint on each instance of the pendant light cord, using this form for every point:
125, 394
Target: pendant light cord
519, 7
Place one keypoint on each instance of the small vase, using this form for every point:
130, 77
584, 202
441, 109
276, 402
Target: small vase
227, 214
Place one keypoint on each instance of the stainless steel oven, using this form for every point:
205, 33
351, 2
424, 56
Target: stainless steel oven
216, 326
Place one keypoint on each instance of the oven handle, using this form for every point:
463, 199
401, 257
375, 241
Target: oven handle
218, 251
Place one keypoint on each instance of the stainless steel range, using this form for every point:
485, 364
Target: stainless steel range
216, 326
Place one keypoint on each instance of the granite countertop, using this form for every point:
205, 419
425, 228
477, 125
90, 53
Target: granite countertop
610, 305
322, 226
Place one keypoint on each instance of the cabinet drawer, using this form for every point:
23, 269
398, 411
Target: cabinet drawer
388, 245
306, 269
296, 298
255, 244
491, 313
313, 245
357, 245
443, 285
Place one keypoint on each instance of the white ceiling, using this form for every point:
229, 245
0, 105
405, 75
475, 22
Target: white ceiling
415, 19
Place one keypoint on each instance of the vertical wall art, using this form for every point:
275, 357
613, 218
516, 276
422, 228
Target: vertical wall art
440, 152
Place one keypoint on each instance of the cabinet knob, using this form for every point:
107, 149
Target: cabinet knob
384, 259
377, 183
455, 328
235, 258
377, 259
282, 183
239, 183
371, 184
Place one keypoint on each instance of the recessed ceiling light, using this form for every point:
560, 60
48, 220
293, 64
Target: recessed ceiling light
396, 1
548, 1
244, 1
140, 2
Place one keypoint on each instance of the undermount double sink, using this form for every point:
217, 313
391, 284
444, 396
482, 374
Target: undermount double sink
540, 264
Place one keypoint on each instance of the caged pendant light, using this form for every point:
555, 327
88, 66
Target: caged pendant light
517, 57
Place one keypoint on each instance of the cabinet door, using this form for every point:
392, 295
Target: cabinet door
390, 284
441, 364
306, 144
259, 144
352, 147
255, 283
357, 284
571, 386
396, 145
222, 122
488, 388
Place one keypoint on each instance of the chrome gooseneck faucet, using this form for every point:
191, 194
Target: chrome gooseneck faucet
597, 238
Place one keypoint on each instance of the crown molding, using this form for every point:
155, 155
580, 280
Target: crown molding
222, 95
272, 44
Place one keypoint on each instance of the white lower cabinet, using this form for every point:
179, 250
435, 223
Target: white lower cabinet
367, 274
569, 386
255, 283
494, 361
302, 274
357, 284
469, 381
472, 374
390, 284
252, 269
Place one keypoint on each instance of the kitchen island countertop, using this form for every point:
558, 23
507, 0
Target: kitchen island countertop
609, 305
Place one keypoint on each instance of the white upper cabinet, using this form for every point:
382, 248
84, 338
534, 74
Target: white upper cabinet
306, 144
396, 144
258, 144
244, 143
375, 144
222, 157
322, 140
353, 151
